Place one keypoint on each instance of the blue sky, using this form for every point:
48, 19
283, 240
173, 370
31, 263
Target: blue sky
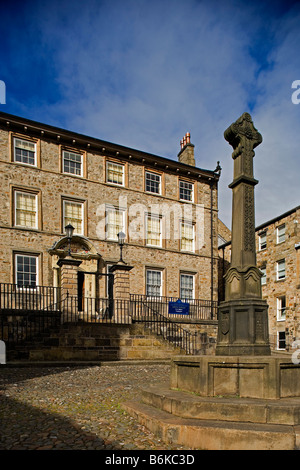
142, 74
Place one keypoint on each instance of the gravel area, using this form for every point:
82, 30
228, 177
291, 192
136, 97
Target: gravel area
76, 408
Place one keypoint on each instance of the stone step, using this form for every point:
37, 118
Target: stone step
214, 434
186, 405
75, 354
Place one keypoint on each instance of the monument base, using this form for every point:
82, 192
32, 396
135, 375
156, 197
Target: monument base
223, 402
267, 377
243, 328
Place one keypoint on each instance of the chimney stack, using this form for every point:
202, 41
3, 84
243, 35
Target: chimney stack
186, 154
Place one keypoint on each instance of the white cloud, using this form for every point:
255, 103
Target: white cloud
142, 74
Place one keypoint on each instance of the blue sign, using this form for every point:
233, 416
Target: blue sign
179, 308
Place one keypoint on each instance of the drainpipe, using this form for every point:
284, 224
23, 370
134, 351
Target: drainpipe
211, 249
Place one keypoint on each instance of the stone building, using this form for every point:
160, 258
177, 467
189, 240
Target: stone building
167, 209
278, 258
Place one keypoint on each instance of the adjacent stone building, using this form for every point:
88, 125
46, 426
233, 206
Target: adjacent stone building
278, 258
167, 209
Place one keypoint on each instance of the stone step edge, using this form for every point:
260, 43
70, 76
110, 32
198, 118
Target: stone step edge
76, 363
213, 435
249, 410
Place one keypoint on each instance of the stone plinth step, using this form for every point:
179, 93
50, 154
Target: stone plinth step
214, 434
186, 405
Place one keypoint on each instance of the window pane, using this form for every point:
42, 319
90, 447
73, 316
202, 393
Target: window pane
185, 191
115, 223
281, 340
73, 214
281, 308
72, 163
187, 236
115, 173
153, 230
186, 286
263, 241
24, 151
152, 183
26, 210
281, 234
264, 276
153, 283
281, 270
26, 270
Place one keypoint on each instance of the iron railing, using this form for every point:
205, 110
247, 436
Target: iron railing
94, 310
39, 298
199, 309
26, 313
163, 326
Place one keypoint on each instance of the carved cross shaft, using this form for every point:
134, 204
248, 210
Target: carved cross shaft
243, 137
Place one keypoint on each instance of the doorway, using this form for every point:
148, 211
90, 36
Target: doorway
80, 289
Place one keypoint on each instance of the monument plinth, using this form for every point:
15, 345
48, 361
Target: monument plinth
243, 316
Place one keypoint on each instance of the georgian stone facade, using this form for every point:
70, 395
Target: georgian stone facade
167, 209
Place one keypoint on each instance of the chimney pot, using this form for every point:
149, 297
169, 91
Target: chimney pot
186, 154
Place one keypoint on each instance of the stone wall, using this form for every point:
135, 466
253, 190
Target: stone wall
52, 186
94, 342
289, 286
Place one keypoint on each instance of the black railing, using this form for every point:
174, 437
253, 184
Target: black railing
198, 309
163, 326
26, 312
39, 298
95, 310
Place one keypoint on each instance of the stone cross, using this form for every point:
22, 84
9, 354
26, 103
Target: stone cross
243, 316
243, 137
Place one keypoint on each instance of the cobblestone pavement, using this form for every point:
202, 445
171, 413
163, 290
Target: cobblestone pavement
76, 408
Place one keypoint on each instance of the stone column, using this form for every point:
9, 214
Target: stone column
69, 285
243, 317
121, 290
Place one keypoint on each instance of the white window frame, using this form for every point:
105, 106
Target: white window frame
81, 163
123, 173
159, 182
153, 270
279, 276
262, 240
280, 234
181, 182
281, 300
27, 255
16, 192
264, 276
184, 222
192, 276
159, 218
15, 147
278, 340
108, 210
66, 222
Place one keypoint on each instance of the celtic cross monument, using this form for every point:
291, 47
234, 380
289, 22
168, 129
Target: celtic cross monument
243, 316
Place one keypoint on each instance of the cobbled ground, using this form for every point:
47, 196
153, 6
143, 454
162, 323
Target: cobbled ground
76, 408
